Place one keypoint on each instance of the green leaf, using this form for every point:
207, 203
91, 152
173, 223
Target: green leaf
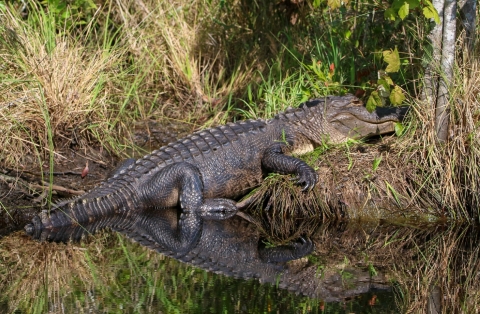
399, 129
390, 14
397, 4
404, 9
316, 3
392, 58
348, 33
430, 12
373, 101
413, 4
376, 163
334, 4
396, 96
388, 80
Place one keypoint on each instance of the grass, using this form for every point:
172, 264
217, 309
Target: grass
55, 89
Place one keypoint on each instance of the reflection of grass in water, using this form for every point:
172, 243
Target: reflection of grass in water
420, 259
111, 272
36, 269
445, 271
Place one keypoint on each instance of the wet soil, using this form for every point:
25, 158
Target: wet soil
24, 190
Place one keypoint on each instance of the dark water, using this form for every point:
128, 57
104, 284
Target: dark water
355, 268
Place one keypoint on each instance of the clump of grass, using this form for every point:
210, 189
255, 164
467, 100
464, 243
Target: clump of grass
446, 174
356, 181
286, 212
187, 75
55, 90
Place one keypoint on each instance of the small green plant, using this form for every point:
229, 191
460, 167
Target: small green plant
385, 87
284, 138
371, 269
70, 14
376, 163
399, 10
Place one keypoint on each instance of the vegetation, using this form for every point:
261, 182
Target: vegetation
81, 73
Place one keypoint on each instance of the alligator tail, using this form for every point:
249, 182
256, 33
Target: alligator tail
76, 212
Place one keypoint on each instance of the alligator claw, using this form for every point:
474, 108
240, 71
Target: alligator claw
307, 179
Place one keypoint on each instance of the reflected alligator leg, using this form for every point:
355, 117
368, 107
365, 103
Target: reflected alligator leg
182, 183
178, 236
285, 253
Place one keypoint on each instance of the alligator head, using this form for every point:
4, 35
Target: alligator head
339, 118
348, 118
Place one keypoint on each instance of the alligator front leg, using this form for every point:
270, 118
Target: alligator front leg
275, 160
181, 183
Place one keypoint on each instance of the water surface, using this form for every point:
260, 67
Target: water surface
357, 268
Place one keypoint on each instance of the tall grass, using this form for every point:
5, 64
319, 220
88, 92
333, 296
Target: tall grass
54, 89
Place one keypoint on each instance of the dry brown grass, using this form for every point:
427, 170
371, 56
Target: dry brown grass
447, 174
65, 92
185, 63
159, 61
349, 188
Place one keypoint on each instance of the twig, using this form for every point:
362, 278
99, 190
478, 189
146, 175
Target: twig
43, 186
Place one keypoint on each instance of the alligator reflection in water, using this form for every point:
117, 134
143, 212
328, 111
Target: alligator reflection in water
230, 247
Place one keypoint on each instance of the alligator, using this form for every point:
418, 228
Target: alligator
205, 172
233, 248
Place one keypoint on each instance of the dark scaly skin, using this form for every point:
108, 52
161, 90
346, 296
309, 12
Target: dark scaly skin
203, 172
230, 247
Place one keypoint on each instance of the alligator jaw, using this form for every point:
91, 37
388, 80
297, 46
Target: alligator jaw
357, 122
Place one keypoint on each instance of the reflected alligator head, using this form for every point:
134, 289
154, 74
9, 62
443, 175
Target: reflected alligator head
231, 247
